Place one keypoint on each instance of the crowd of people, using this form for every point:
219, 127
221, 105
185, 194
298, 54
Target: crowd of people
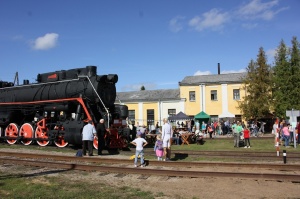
285, 133
166, 135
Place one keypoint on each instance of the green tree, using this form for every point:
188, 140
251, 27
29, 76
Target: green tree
294, 80
286, 79
257, 85
143, 88
279, 80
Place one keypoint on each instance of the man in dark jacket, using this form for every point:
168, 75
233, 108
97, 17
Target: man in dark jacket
101, 131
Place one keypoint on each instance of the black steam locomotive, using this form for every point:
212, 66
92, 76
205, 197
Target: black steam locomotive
55, 109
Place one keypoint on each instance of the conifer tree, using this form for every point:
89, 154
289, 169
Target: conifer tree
257, 85
294, 80
279, 79
286, 79
143, 88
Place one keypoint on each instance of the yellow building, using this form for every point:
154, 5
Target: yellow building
148, 107
217, 95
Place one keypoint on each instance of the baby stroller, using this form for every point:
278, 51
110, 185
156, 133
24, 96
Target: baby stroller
242, 140
199, 137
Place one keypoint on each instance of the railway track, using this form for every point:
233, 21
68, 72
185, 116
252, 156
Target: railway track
97, 164
149, 162
271, 156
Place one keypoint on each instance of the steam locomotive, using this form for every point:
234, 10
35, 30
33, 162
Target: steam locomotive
58, 105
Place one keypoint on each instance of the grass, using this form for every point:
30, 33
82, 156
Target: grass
22, 186
222, 144
264, 145
226, 144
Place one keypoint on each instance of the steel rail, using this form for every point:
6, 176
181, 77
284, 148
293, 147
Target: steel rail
243, 155
102, 160
149, 172
229, 153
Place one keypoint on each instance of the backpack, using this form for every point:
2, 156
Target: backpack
159, 144
79, 153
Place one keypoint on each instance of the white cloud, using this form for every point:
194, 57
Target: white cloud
46, 42
213, 19
202, 73
271, 52
249, 25
175, 24
137, 87
233, 71
256, 9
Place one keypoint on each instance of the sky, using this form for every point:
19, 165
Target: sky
154, 43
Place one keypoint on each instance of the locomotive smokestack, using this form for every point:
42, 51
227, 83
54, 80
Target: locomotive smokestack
219, 69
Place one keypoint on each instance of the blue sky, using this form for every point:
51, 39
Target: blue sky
152, 43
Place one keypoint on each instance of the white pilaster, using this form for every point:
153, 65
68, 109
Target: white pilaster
202, 97
224, 98
141, 111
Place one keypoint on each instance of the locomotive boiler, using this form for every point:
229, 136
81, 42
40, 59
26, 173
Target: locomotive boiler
57, 106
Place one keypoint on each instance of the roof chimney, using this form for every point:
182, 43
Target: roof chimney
218, 68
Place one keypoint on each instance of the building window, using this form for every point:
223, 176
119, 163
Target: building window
131, 115
236, 94
213, 95
171, 112
150, 116
214, 118
238, 118
192, 96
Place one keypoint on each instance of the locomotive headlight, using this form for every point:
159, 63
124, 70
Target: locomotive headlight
112, 78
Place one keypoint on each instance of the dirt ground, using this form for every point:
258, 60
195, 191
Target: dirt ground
177, 187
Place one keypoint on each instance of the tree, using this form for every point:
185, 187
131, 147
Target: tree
143, 88
294, 79
286, 79
279, 80
257, 84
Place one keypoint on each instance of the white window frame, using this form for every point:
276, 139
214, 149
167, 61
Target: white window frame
213, 95
192, 96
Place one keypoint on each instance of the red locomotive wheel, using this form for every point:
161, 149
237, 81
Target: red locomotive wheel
95, 143
42, 134
11, 131
60, 142
26, 131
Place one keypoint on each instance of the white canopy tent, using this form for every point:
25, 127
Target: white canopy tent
226, 115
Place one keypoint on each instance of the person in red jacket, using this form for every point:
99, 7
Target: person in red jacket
247, 137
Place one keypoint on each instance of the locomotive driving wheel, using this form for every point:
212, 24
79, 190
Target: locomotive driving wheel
26, 131
60, 139
95, 143
42, 136
11, 131
60, 142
